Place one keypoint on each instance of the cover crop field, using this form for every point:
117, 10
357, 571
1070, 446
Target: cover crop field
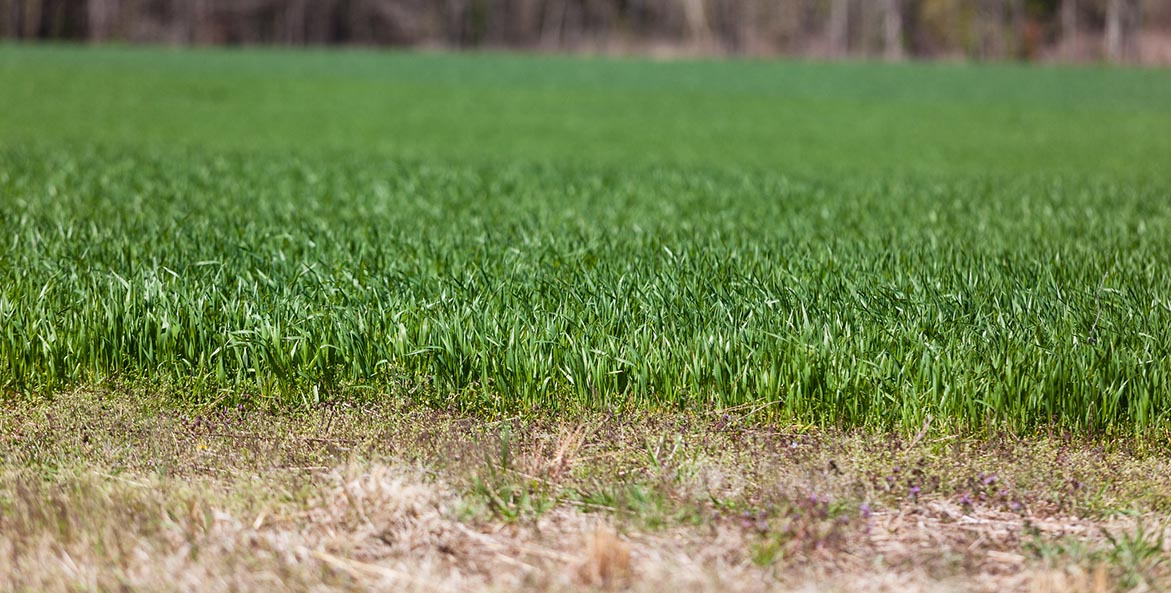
848, 244
353, 321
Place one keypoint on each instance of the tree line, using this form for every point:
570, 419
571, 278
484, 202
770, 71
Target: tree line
1076, 30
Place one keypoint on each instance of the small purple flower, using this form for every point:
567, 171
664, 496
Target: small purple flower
914, 491
866, 512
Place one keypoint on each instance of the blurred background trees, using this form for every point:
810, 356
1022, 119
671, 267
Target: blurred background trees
1130, 31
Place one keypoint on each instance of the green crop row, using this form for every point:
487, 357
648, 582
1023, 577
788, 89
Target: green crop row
527, 288
835, 244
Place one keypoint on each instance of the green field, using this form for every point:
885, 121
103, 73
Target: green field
838, 244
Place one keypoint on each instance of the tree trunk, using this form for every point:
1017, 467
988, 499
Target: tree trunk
1069, 27
97, 19
31, 25
295, 22
198, 16
454, 22
839, 28
1121, 21
698, 32
1017, 48
8, 18
892, 29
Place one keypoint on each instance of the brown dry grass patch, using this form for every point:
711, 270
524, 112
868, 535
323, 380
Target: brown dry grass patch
100, 492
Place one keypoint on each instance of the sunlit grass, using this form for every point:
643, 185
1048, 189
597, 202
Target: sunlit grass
221, 270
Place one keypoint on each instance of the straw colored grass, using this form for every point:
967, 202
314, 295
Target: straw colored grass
99, 493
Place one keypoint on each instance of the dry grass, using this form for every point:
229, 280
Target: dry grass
100, 493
